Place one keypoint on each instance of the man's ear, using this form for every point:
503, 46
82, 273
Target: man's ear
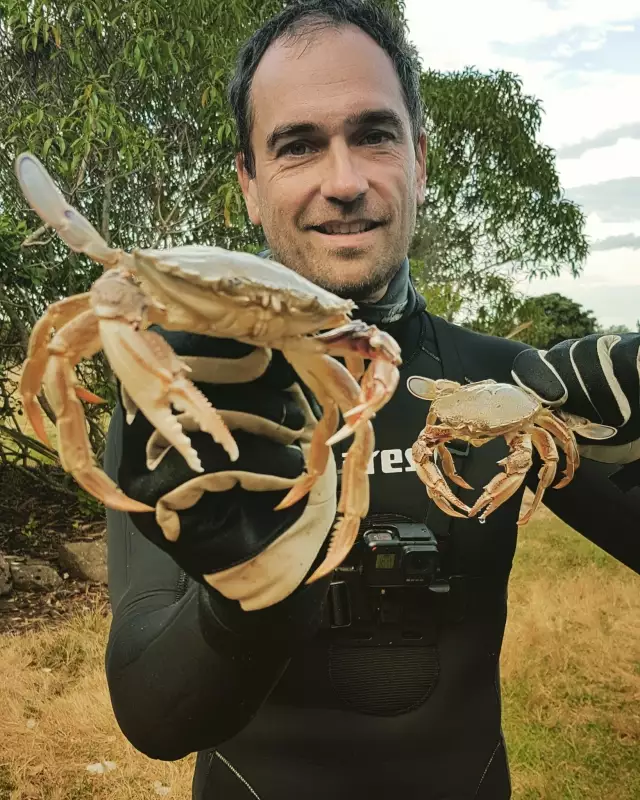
421, 167
249, 191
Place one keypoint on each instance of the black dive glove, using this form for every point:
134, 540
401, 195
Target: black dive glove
596, 377
220, 525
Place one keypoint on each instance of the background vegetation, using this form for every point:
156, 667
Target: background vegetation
125, 103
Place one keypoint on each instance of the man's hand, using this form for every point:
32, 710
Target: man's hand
220, 525
596, 377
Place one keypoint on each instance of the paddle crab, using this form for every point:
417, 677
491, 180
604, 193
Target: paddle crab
478, 412
210, 291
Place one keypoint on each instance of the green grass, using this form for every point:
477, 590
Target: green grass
571, 669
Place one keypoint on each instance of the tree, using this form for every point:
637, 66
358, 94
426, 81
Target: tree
495, 211
616, 329
125, 102
554, 318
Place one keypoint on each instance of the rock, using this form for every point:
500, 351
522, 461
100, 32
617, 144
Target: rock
33, 576
85, 560
5, 576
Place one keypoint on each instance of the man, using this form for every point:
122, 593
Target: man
338, 689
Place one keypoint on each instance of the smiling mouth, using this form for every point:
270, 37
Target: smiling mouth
345, 228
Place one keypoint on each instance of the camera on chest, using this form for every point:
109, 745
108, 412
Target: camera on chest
381, 594
398, 554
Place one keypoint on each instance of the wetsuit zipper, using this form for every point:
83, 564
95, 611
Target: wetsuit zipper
181, 588
238, 775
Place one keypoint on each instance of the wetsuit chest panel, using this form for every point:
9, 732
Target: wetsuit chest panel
432, 721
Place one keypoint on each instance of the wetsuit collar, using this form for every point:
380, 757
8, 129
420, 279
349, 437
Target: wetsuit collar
400, 301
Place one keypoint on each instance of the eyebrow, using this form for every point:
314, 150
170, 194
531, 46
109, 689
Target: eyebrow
382, 116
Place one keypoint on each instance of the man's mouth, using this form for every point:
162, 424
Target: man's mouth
345, 228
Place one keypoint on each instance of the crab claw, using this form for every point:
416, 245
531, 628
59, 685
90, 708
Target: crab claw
423, 452
47, 201
74, 447
377, 386
357, 341
153, 377
505, 484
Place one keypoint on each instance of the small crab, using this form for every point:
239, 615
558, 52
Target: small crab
481, 411
210, 291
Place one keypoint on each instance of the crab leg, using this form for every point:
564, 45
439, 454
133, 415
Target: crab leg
447, 459
556, 427
154, 378
505, 484
354, 501
423, 450
47, 201
335, 388
450, 468
319, 451
75, 340
56, 316
544, 444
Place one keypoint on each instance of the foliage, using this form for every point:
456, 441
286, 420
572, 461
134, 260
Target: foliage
125, 103
494, 211
621, 329
553, 318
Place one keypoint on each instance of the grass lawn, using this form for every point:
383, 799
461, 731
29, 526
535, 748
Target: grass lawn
571, 669
570, 672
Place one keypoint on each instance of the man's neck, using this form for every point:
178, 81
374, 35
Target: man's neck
377, 295
388, 305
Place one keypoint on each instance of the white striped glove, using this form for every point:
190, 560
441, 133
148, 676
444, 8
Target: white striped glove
596, 377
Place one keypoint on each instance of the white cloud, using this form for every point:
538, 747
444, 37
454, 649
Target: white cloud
621, 160
610, 287
579, 104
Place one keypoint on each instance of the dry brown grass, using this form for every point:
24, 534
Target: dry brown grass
571, 675
571, 669
57, 719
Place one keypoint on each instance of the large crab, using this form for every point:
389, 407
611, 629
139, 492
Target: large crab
211, 291
481, 411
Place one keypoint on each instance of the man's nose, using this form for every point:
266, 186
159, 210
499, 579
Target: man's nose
343, 181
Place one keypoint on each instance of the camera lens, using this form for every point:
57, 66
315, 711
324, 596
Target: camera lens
418, 561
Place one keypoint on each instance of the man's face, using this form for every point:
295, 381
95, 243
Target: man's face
337, 174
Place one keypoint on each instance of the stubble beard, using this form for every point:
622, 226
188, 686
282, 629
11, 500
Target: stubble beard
359, 290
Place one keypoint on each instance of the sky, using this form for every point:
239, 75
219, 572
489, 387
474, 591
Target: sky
581, 58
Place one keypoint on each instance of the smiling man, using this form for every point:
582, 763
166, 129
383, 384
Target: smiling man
381, 680
335, 166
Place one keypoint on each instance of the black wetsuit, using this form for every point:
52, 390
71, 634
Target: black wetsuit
412, 718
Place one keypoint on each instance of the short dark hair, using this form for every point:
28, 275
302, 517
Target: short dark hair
302, 16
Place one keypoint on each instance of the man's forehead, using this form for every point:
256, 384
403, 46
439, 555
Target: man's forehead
323, 76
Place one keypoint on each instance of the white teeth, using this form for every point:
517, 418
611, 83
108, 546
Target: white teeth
344, 228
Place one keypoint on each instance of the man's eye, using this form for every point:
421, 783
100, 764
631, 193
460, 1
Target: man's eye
295, 149
377, 137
